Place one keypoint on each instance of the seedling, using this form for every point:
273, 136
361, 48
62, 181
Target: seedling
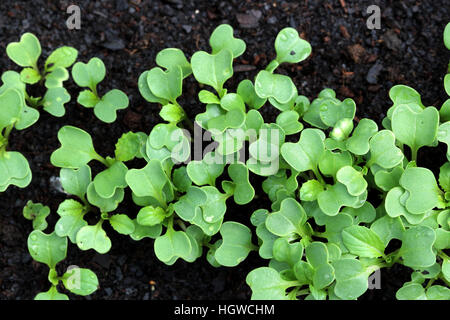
89, 75
340, 191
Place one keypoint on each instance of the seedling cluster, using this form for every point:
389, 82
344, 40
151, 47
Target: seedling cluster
341, 190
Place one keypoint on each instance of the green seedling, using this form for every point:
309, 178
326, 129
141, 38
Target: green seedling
89, 75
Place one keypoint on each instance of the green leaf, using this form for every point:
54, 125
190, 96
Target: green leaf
11, 104
246, 90
322, 272
387, 180
54, 100
14, 170
172, 113
424, 196
87, 98
222, 38
331, 162
108, 105
108, 181
89, 74
266, 284
56, 78
51, 294
71, 219
411, 291
205, 171
244, 191
310, 190
47, 248
215, 207
236, 244
104, 204
166, 85
30, 76
401, 94
26, 52
363, 242
289, 219
62, 57
288, 121
171, 246
128, 146
283, 251
122, 224
447, 36
141, 232
290, 47
388, 228
358, 143
417, 247
438, 293
76, 148
352, 179
189, 204
213, 70
93, 237
444, 136
351, 279
144, 89
305, 154
383, 151
415, 129
331, 111
37, 213
181, 180
444, 176
395, 207
335, 197
170, 58
80, 281
151, 216
148, 181
76, 181
277, 86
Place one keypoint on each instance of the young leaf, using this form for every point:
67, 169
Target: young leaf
108, 181
351, 279
11, 104
383, 151
169, 58
26, 52
80, 281
363, 242
76, 148
236, 244
166, 85
93, 237
14, 169
290, 47
71, 221
174, 244
417, 247
244, 191
108, 105
213, 70
222, 38
266, 284
411, 291
352, 179
415, 129
47, 248
246, 90
89, 74
305, 154
358, 143
37, 213
206, 171
62, 57
151, 216
289, 219
54, 100
277, 86
104, 204
122, 224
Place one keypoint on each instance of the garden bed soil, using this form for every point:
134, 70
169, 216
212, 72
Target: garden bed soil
357, 62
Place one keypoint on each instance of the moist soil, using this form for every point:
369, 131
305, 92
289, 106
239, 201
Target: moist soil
355, 61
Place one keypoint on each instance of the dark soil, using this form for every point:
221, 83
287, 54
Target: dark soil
357, 62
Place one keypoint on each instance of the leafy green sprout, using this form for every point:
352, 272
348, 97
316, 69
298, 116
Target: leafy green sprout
323, 179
